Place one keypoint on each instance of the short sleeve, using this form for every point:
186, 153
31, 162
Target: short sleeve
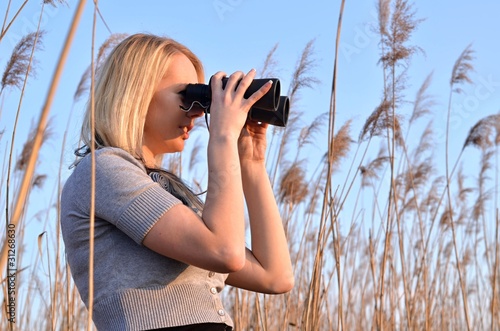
125, 195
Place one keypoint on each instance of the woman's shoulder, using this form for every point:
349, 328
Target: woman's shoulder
109, 162
110, 157
114, 168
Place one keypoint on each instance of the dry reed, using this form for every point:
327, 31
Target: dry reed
460, 75
84, 84
5, 28
26, 182
21, 61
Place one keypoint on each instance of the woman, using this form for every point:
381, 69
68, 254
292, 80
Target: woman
161, 256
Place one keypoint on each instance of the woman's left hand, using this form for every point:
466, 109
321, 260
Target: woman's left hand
252, 143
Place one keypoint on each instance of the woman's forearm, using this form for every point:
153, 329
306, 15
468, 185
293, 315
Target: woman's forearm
223, 213
269, 244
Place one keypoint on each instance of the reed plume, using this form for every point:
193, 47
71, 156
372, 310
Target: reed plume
370, 172
301, 78
380, 121
484, 194
341, 146
463, 191
401, 26
19, 68
384, 12
293, 185
269, 68
462, 68
485, 133
22, 160
54, 2
418, 176
426, 142
104, 50
308, 133
20, 61
423, 101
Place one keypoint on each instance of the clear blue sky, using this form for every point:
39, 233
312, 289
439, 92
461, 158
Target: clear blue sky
234, 35
231, 35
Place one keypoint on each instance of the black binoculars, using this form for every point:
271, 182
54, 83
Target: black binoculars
271, 108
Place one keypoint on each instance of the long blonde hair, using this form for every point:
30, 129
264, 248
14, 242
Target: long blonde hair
125, 86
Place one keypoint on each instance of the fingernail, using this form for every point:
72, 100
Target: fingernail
270, 82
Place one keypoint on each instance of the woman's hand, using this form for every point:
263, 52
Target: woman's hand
252, 143
229, 108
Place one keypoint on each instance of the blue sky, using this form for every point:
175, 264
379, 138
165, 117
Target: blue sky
231, 35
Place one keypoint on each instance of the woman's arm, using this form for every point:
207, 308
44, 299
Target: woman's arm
268, 268
215, 240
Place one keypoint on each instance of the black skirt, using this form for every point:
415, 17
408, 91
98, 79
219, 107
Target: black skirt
199, 327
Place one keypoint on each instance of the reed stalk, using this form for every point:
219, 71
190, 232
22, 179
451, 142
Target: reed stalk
331, 157
6, 28
38, 138
460, 75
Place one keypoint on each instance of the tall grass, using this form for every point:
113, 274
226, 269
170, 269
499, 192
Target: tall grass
381, 236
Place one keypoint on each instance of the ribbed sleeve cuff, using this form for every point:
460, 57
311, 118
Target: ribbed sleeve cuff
145, 211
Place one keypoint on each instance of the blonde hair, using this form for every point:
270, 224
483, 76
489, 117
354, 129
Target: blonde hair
124, 88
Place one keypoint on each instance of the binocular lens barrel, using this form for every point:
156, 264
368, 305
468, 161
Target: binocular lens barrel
271, 108
270, 100
276, 118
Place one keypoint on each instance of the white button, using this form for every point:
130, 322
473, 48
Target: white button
221, 312
211, 274
213, 290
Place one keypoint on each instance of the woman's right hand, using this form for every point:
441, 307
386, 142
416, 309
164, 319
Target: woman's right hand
229, 108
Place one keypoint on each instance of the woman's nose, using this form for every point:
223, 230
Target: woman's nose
195, 112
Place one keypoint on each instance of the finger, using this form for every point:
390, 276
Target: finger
216, 81
245, 82
260, 92
256, 125
233, 81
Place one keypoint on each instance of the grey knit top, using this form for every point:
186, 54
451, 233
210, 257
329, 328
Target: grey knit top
134, 287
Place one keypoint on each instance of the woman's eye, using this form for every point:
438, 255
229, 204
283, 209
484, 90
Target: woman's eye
184, 103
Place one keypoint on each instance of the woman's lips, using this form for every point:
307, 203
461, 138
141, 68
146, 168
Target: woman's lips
185, 131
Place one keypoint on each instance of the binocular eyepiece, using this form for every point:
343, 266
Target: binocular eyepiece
271, 108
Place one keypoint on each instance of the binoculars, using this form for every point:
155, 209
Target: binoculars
272, 108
